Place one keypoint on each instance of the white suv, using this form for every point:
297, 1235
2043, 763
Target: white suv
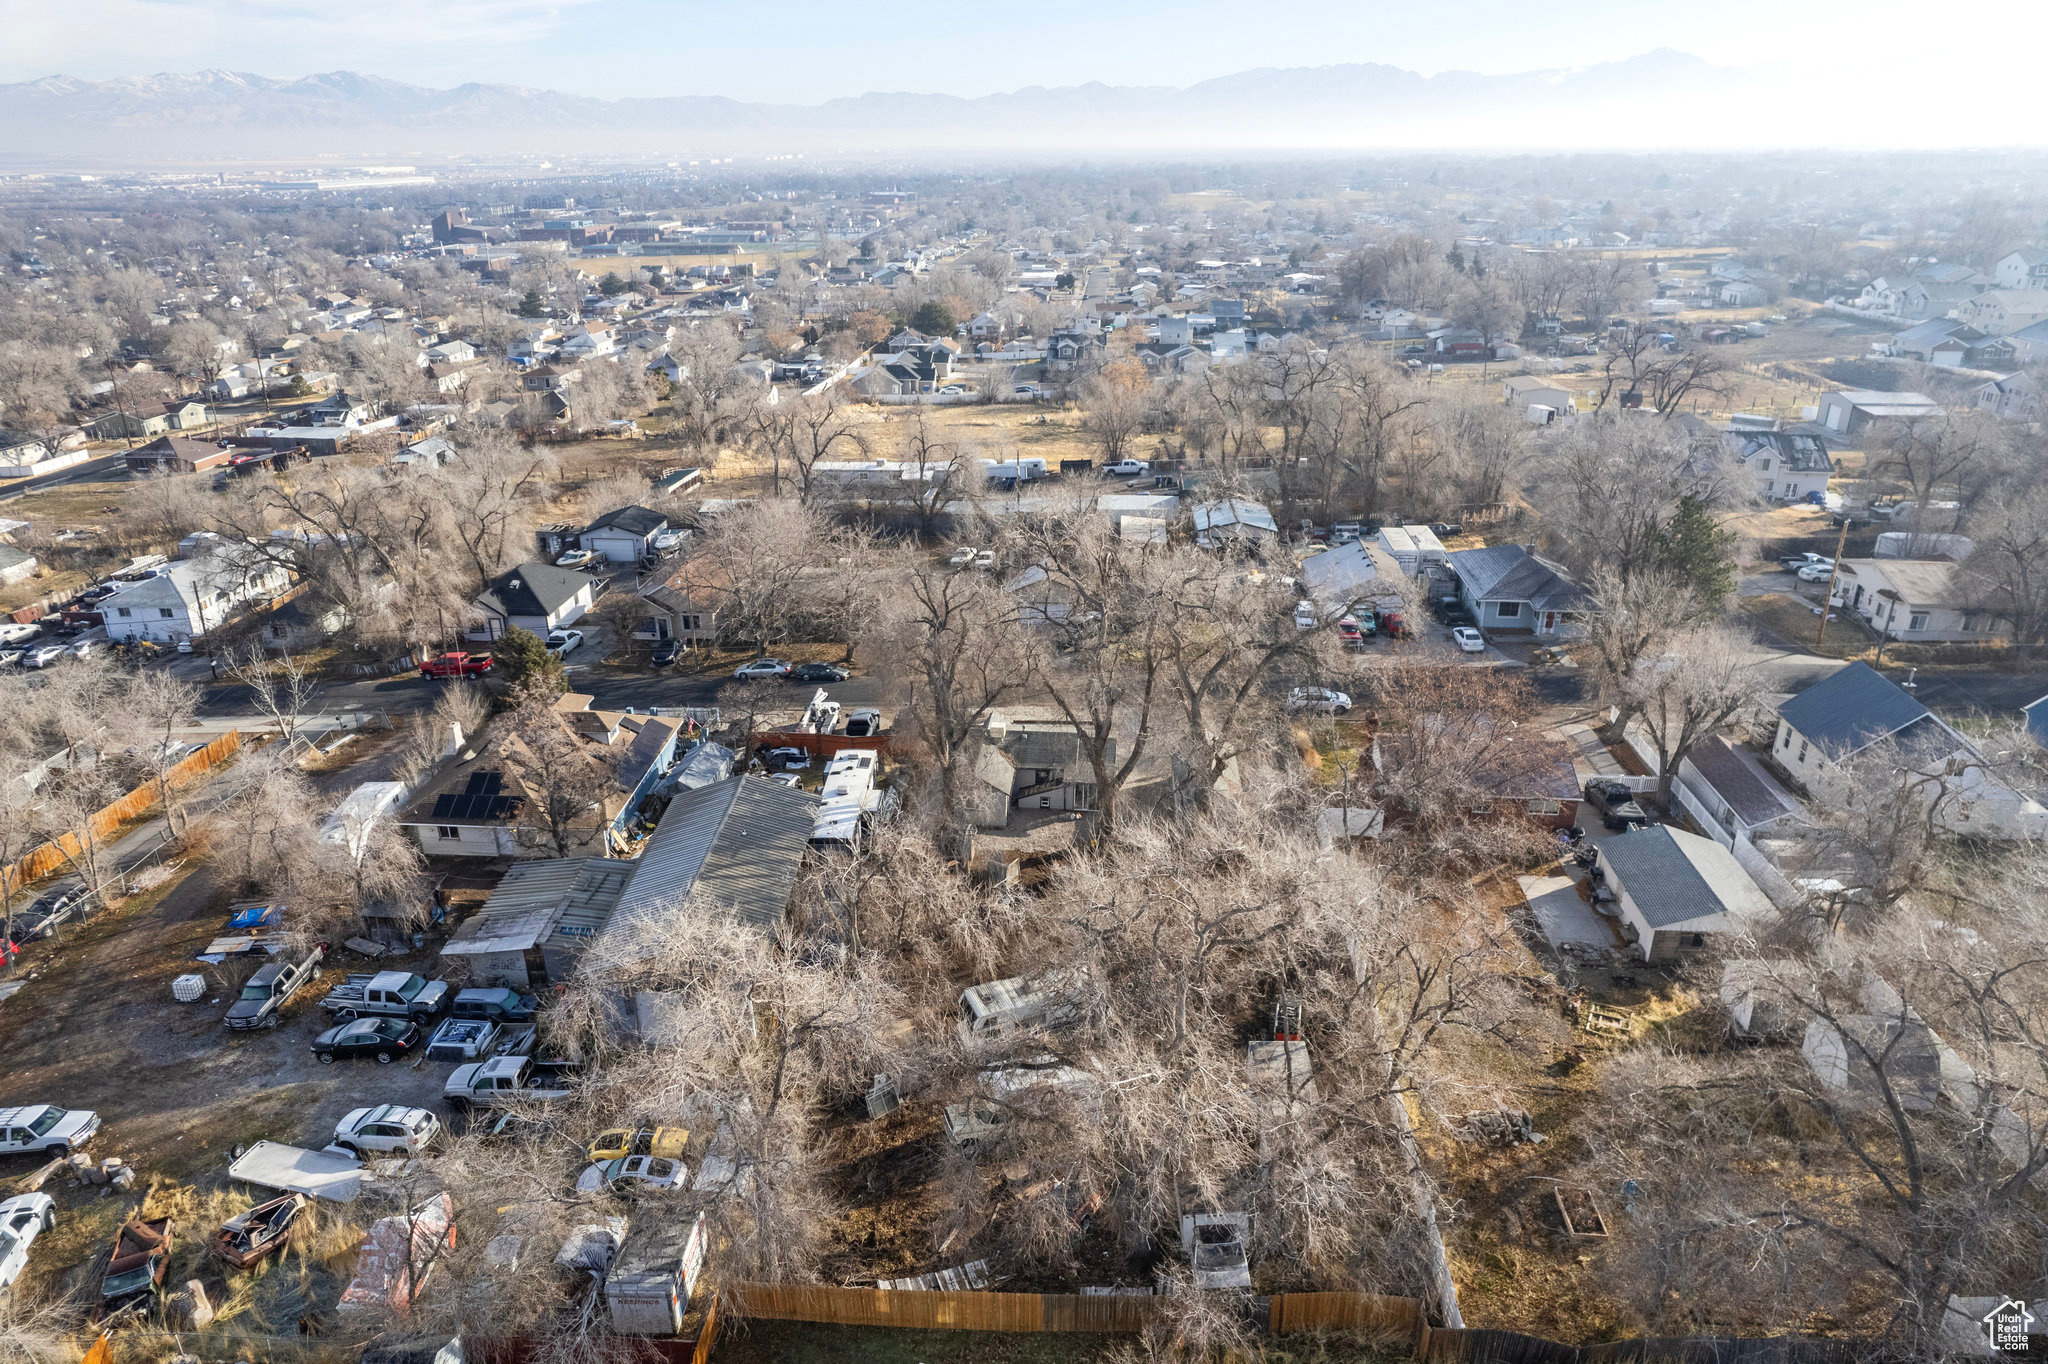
45, 1127
387, 1130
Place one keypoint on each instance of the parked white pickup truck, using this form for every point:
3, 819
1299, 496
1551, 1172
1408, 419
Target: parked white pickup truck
398, 994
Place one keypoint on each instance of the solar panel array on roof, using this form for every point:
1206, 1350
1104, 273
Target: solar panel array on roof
466, 806
485, 784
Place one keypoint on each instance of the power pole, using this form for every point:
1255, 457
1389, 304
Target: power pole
1828, 597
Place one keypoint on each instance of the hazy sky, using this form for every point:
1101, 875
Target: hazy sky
803, 51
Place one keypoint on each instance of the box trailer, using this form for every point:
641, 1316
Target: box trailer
649, 1289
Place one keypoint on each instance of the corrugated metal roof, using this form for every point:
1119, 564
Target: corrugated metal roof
574, 896
737, 843
1851, 709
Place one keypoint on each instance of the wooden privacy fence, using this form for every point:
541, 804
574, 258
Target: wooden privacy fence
944, 1311
1366, 1312
821, 744
108, 819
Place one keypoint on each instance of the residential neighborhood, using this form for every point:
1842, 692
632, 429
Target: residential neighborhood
621, 742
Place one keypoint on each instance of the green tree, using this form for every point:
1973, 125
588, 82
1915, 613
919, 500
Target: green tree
1063, 280
524, 663
611, 286
1700, 553
934, 318
300, 388
533, 305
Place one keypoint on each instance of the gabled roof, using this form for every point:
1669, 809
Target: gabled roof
1851, 709
534, 589
1741, 781
1677, 878
737, 843
1234, 512
634, 520
1516, 573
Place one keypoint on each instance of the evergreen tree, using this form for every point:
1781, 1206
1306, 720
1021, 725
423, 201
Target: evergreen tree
532, 305
523, 661
1700, 553
934, 318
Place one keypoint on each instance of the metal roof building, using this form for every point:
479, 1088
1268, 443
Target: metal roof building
735, 844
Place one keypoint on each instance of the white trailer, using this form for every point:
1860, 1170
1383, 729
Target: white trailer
294, 1169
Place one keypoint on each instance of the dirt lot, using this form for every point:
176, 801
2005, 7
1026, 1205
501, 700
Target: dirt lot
96, 1027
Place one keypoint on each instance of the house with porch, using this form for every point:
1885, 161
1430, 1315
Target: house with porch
1511, 589
177, 455
1030, 764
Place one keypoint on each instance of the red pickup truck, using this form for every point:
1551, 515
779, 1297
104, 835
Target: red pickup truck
456, 665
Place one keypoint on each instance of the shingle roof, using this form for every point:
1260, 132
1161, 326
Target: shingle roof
1676, 878
535, 589
634, 520
1851, 709
738, 843
1516, 573
1741, 781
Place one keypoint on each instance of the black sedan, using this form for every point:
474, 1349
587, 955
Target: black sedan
387, 1039
1616, 804
667, 652
818, 672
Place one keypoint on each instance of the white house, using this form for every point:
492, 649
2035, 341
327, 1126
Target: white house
185, 599
2011, 397
2001, 312
2022, 270
534, 597
1824, 727
1920, 601
1674, 888
1523, 391
1742, 293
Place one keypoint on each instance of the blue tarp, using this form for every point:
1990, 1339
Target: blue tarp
256, 916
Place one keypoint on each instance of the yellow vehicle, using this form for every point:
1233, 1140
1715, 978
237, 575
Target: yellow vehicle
615, 1142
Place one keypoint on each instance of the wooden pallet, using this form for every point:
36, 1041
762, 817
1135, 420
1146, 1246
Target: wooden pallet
1580, 1211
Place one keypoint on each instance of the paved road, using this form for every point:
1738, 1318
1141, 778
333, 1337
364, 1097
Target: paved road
608, 689
77, 473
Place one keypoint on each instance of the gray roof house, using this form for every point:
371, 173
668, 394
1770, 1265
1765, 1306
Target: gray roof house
536, 597
623, 536
1843, 714
736, 844
1513, 589
1855, 707
1674, 888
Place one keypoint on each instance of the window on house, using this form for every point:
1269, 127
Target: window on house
1507, 610
448, 832
1765, 465
1543, 806
1917, 621
1788, 737
1695, 940
165, 612
1481, 807
1972, 624
122, 611
1802, 752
